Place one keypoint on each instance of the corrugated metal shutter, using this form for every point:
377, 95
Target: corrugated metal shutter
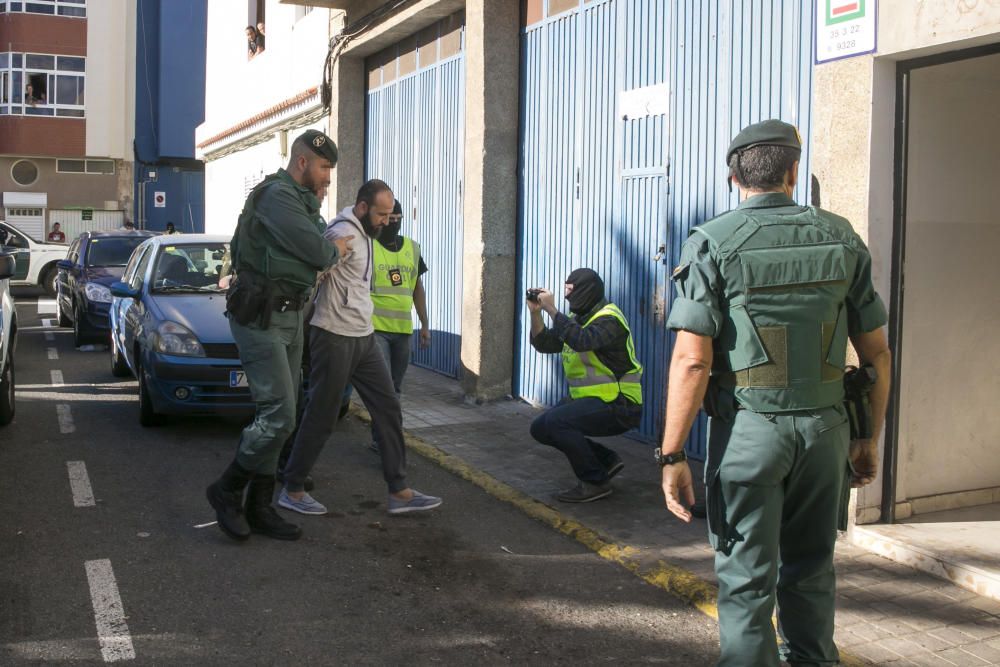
733, 63
593, 184
594, 172
414, 142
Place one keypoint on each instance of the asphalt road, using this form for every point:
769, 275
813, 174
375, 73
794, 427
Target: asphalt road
475, 582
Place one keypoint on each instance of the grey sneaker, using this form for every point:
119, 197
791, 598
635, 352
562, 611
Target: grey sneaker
304, 505
584, 492
418, 503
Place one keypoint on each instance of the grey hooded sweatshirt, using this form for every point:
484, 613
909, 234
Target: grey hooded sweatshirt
344, 297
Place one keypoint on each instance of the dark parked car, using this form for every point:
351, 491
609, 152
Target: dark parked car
8, 338
94, 261
169, 330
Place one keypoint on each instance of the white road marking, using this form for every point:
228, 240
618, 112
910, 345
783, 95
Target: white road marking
46, 306
49, 336
109, 614
47, 322
206, 525
53, 353
92, 348
66, 424
57, 378
79, 484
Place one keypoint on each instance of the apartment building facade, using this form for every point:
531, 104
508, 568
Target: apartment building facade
66, 109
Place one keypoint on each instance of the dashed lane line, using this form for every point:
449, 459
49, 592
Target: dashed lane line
79, 484
47, 323
53, 353
109, 613
46, 306
66, 424
49, 337
57, 378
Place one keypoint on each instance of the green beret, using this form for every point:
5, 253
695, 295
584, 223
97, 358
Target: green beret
765, 133
320, 144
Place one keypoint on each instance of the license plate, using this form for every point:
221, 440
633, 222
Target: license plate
238, 379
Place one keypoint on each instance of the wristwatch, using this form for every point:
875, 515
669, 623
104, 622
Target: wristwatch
669, 459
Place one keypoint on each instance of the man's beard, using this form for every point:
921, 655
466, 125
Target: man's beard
370, 229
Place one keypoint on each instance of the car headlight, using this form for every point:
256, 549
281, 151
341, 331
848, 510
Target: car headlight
97, 293
173, 338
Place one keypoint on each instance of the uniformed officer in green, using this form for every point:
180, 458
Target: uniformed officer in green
767, 297
277, 250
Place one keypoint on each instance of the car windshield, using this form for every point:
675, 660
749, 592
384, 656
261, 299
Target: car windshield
191, 267
112, 250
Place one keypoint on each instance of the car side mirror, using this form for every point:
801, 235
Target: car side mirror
64, 264
124, 290
8, 264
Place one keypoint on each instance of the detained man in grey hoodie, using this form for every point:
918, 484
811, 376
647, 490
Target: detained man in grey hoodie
343, 349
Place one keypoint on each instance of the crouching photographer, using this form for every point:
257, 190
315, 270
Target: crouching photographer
605, 397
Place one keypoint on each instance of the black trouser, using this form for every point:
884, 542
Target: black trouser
567, 426
337, 360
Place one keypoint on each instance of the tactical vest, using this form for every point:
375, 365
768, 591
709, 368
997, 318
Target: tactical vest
254, 249
395, 278
589, 377
783, 342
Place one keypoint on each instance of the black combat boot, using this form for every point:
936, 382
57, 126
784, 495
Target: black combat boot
225, 495
262, 517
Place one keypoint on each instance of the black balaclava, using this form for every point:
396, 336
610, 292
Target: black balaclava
588, 290
389, 233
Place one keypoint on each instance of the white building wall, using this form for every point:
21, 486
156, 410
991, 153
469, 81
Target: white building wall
110, 83
853, 131
228, 180
238, 89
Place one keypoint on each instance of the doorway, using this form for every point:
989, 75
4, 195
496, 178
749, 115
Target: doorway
942, 487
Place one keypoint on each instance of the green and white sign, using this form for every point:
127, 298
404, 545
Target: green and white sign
845, 28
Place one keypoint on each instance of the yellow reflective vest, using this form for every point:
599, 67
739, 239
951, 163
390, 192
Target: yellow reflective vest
395, 278
587, 376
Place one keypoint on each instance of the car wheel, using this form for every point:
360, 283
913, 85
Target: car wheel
147, 416
64, 320
119, 368
79, 340
48, 282
7, 391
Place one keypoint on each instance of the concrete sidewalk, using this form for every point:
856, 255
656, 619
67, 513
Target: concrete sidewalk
887, 613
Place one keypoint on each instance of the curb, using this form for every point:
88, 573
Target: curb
681, 583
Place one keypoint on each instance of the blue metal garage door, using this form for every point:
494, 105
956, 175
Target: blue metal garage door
616, 95
414, 142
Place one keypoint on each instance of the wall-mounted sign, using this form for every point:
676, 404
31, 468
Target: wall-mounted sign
87, 214
159, 200
845, 28
641, 102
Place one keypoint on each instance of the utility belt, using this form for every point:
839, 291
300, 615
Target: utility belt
250, 299
720, 400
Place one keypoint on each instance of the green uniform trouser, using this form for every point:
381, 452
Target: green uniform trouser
776, 494
272, 361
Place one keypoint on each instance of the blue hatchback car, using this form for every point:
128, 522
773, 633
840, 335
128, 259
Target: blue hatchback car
94, 260
169, 330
